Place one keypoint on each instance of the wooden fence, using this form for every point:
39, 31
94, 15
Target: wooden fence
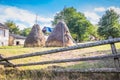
114, 55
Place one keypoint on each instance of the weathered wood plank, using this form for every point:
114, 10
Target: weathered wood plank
116, 59
92, 70
71, 60
86, 45
7, 63
3, 63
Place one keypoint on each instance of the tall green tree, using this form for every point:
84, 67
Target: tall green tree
13, 28
76, 22
109, 24
25, 31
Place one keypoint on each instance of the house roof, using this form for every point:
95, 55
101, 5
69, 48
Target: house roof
17, 36
3, 26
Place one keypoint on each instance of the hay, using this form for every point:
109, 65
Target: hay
35, 38
60, 36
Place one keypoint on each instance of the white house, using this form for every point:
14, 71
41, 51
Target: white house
4, 35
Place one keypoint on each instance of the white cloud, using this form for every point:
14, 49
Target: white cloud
99, 9
116, 9
92, 16
21, 15
45, 24
21, 26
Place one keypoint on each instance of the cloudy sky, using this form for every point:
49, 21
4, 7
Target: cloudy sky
23, 12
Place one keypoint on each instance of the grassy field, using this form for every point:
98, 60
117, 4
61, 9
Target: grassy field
38, 73
93, 51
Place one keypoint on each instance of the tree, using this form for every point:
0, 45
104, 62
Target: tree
109, 24
25, 31
13, 28
76, 22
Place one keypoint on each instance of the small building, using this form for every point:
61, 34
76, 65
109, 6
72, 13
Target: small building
4, 35
16, 39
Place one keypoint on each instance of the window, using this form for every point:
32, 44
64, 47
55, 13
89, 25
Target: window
2, 32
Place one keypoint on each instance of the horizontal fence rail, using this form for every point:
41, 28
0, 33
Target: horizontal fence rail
72, 60
3, 63
86, 45
94, 70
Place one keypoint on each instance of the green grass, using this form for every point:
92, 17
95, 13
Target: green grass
16, 50
7, 51
13, 50
106, 63
10, 47
36, 73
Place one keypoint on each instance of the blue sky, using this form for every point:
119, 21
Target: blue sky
23, 11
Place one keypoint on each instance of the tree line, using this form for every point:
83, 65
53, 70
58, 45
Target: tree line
14, 29
80, 27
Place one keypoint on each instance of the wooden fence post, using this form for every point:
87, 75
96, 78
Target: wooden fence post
6, 63
114, 51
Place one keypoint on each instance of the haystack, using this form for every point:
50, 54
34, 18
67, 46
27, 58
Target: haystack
35, 38
60, 36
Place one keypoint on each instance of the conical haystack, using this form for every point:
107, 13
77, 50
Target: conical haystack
35, 38
60, 36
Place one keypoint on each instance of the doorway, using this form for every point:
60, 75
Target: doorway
17, 43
